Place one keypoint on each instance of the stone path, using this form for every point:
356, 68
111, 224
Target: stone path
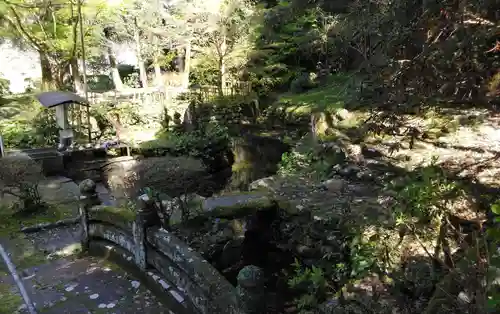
65, 284
62, 283
86, 285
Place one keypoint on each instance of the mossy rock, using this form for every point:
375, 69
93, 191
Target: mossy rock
123, 217
237, 205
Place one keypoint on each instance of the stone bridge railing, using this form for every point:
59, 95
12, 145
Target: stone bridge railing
168, 265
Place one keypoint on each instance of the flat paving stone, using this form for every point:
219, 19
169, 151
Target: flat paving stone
88, 285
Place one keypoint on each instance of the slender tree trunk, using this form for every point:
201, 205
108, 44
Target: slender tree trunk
140, 62
156, 63
142, 73
75, 73
222, 67
187, 65
220, 76
157, 68
48, 82
115, 75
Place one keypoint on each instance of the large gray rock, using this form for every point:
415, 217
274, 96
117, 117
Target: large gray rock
172, 176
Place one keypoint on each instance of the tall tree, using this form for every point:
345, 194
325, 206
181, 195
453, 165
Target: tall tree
213, 27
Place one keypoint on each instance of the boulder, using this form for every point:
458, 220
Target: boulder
173, 176
334, 185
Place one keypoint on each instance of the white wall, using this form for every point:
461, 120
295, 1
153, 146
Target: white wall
16, 65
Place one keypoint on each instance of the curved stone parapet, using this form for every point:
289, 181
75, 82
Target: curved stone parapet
161, 258
209, 291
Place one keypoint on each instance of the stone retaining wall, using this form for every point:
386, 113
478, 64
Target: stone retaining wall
167, 262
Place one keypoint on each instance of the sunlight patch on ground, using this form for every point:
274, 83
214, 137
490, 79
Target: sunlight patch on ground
68, 250
140, 135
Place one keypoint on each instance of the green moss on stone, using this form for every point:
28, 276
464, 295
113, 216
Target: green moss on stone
125, 213
242, 208
12, 222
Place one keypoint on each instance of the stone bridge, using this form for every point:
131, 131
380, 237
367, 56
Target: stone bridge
129, 265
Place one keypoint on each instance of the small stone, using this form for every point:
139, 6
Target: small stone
111, 305
464, 298
87, 186
135, 284
177, 296
102, 306
164, 284
306, 251
71, 288
94, 296
251, 276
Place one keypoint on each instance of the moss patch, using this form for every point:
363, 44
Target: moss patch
332, 95
11, 301
12, 222
126, 213
242, 208
23, 252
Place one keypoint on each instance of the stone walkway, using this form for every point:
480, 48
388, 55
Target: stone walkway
65, 284
61, 283
86, 285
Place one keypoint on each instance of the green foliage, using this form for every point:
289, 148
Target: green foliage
99, 83
310, 161
493, 287
234, 109
4, 86
20, 177
302, 83
333, 94
157, 201
210, 143
204, 72
363, 256
41, 131
283, 45
311, 283
201, 143
424, 196
294, 163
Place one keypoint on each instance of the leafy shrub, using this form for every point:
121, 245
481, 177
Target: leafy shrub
310, 161
4, 86
424, 197
210, 144
38, 132
302, 83
312, 284
492, 285
234, 109
20, 177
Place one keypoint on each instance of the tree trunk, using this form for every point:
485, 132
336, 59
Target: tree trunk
140, 62
117, 80
222, 67
48, 82
187, 65
158, 78
142, 73
156, 63
220, 76
75, 73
